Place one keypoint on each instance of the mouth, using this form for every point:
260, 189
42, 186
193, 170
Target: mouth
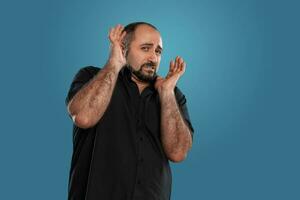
149, 67
149, 70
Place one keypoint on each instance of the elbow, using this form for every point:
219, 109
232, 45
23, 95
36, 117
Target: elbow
178, 157
81, 122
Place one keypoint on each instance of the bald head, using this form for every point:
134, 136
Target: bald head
130, 30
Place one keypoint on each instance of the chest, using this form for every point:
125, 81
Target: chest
129, 107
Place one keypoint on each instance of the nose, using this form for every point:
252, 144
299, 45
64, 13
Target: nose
153, 57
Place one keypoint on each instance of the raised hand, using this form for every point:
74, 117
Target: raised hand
116, 36
176, 70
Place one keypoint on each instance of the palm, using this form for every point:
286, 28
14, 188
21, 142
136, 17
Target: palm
116, 37
177, 68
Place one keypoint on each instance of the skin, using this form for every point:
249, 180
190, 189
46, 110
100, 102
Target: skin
88, 105
90, 102
145, 48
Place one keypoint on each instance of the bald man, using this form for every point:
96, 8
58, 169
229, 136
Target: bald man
128, 122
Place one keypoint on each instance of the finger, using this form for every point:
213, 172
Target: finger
176, 64
111, 35
180, 64
159, 78
119, 31
115, 30
123, 34
117, 26
183, 67
181, 60
172, 65
171, 70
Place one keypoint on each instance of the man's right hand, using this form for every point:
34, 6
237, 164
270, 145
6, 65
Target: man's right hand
117, 57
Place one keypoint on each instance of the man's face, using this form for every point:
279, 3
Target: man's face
144, 53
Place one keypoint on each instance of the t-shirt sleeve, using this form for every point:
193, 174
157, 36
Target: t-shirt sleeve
83, 76
182, 103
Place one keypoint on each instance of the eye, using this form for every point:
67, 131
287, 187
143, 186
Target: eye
158, 52
145, 48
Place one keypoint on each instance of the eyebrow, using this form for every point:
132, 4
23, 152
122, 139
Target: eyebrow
151, 44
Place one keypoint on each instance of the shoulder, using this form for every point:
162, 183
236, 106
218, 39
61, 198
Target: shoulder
89, 70
85, 73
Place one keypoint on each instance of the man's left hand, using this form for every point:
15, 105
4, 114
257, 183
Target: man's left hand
176, 70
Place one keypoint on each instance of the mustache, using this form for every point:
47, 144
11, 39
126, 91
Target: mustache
149, 64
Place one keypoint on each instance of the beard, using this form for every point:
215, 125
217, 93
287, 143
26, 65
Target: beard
144, 76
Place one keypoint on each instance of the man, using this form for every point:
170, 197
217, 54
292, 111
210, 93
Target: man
128, 121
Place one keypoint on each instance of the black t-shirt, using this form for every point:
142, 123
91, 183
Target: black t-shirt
121, 157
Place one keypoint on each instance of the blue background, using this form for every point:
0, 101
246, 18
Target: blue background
241, 83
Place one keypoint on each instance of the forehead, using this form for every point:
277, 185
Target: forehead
146, 34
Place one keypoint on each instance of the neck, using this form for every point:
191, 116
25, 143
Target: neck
139, 82
141, 85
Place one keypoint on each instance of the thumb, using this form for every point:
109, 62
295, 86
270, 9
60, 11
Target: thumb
158, 78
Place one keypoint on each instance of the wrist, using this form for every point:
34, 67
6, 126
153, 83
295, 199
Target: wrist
115, 66
166, 92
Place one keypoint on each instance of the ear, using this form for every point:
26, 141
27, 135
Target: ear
124, 50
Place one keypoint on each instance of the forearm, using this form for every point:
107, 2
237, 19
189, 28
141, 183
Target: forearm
175, 134
90, 102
